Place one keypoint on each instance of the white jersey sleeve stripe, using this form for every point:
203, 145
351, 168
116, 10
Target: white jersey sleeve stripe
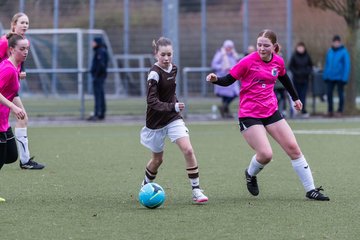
153, 76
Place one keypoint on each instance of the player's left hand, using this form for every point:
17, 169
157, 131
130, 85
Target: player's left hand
298, 105
179, 106
22, 75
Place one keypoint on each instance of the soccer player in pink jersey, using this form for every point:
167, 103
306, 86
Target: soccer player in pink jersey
9, 87
259, 114
19, 25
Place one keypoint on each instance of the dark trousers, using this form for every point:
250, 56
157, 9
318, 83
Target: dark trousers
225, 108
99, 97
8, 148
301, 89
281, 98
227, 100
340, 90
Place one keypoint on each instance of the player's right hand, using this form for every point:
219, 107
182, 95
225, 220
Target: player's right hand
19, 112
211, 77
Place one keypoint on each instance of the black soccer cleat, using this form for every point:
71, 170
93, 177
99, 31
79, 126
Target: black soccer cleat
31, 165
251, 184
315, 194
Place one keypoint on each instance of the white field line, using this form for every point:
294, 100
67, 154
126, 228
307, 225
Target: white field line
329, 132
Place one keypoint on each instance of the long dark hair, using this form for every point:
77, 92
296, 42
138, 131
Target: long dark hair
13, 38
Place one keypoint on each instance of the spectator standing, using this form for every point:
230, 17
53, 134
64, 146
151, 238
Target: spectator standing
336, 73
250, 49
282, 95
301, 68
225, 58
99, 74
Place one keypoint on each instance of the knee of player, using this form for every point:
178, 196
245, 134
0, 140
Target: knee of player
189, 151
264, 156
293, 150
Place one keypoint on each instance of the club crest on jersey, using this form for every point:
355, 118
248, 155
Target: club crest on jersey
274, 72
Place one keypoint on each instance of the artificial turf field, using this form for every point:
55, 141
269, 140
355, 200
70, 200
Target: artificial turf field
89, 187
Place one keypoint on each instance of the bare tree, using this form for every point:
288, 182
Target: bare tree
350, 11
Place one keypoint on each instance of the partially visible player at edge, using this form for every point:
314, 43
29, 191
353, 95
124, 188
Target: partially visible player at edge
19, 25
259, 114
163, 118
9, 87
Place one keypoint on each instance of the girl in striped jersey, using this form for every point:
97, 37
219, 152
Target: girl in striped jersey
163, 118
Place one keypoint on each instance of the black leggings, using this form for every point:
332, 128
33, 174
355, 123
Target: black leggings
8, 148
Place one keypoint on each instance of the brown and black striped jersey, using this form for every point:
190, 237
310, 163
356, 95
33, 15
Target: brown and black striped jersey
161, 97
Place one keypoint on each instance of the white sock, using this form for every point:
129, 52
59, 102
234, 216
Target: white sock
255, 167
22, 144
302, 169
147, 180
195, 182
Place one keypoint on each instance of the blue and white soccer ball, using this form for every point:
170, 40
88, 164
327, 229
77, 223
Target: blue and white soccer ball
152, 195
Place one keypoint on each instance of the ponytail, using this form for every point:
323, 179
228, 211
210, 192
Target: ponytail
162, 41
277, 47
13, 38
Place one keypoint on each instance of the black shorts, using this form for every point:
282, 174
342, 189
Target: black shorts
6, 136
8, 148
247, 122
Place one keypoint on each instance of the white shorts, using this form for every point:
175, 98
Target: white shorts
154, 139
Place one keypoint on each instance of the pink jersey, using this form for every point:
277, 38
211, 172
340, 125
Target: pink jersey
9, 86
4, 51
257, 96
3, 48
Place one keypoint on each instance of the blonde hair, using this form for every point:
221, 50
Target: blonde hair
15, 18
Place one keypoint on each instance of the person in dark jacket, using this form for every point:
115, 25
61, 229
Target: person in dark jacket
336, 73
301, 68
99, 73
